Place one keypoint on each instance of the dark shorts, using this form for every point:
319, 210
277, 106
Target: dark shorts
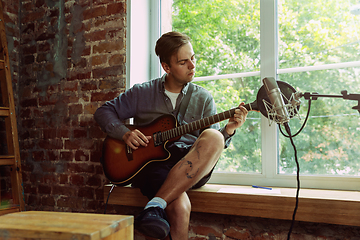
150, 179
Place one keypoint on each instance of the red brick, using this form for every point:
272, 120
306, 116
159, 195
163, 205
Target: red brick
47, 201
205, 230
48, 167
116, 60
81, 156
86, 121
116, 8
101, 96
96, 132
238, 234
79, 143
63, 190
94, 12
79, 76
25, 113
63, 133
82, 64
99, 60
32, 16
70, 86
52, 155
111, 84
80, 133
64, 178
39, 3
44, 189
75, 109
48, 100
38, 155
94, 181
50, 144
95, 36
90, 109
44, 47
80, 167
29, 123
70, 202
77, 180
95, 157
113, 71
46, 36
29, 50
50, 179
86, 192
87, 86
33, 200
108, 47
29, 188
66, 155
49, 133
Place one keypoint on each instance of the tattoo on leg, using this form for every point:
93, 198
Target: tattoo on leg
196, 148
189, 171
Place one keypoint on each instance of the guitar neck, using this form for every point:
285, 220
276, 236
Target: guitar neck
196, 125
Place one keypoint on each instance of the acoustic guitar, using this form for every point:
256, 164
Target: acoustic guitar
121, 163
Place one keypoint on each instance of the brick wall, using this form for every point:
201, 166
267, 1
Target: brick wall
69, 59
72, 60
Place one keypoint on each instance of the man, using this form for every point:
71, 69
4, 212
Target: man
193, 156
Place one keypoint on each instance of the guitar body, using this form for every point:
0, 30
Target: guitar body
121, 163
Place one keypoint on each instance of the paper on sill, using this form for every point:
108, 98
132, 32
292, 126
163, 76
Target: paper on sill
249, 190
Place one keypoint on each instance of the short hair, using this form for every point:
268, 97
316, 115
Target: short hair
169, 44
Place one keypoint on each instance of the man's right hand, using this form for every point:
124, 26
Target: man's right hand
135, 139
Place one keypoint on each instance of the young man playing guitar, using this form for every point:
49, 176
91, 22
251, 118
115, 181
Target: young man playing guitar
192, 157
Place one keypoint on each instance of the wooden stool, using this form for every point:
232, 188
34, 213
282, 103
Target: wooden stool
64, 225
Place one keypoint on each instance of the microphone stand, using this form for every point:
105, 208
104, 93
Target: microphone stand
344, 95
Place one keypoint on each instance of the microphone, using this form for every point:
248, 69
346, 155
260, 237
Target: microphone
278, 111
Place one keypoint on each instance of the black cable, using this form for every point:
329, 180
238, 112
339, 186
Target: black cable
303, 125
107, 200
298, 187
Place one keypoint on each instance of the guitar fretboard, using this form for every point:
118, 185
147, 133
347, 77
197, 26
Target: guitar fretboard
196, 125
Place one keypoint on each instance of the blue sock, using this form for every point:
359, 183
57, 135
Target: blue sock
156, 202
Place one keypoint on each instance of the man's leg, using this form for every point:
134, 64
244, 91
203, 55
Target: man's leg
178, 212
200, 160
194, 166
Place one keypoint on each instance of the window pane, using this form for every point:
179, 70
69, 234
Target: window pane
225, 34
330, 142
318, 32
226, 39
314, 33
244, 154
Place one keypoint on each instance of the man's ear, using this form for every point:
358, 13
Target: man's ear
166, 67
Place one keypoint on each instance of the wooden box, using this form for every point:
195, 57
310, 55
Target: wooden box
64, 225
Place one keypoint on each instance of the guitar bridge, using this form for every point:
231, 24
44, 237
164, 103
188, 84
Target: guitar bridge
129, 153
157, 139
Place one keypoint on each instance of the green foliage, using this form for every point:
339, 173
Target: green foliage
226, 39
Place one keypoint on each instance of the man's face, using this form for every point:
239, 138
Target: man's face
182, 65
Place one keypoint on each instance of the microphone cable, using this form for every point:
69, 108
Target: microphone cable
298, 186
303, 125
107, 200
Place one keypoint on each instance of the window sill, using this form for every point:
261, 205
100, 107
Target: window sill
322, 206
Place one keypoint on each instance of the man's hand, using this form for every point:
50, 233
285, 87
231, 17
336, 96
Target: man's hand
135, 139
237, 120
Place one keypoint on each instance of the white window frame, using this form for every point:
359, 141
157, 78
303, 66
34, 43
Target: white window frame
144, 23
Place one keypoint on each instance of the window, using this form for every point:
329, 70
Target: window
313, 46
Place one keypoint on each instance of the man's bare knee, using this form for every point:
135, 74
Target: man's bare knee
213, 137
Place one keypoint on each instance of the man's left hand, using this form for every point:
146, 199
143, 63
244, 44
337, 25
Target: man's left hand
237, 120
